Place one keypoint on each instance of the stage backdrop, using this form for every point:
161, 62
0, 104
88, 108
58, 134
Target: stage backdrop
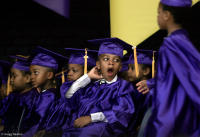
134, 20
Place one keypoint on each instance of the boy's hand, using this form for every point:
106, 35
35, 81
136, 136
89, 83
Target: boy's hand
142, 87
94, 73
82, 121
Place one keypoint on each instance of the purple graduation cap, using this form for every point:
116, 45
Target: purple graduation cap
4, 71
113, 46
77, 56
125, 62
143, 57
21, 63
47, 58
177, 3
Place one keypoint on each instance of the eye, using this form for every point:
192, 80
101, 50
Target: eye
116, 60
35, 72
74, 70
105, 59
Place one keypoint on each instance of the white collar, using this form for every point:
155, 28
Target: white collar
43, 90
112, 81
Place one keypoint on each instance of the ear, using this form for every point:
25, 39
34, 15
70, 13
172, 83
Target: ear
50, 75
98, 64
146, 71
28, 78
167, 15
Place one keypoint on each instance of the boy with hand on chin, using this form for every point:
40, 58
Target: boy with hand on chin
105, 107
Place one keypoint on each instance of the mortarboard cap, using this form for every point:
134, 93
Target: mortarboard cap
143, 57
47, 58
21, 63
4, 70
177, 3
77, 56
113, 46
125, 62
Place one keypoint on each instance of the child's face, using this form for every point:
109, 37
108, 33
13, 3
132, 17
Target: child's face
132, 74
39, 76
109, 65
161, 18
75, 71
18, 80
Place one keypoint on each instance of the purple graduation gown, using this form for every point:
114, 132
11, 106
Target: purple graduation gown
176, 101
64, 88
36, 106
10, 111
114, 100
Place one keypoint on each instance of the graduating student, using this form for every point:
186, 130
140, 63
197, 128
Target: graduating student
177, 93
139, 70
12, 109
106, 106
76, 64
44, 65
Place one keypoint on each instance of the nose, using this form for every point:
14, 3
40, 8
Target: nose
70, 73
110, 62
32, 77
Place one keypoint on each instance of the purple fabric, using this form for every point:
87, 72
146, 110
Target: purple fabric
20, 65
114, 100
125, 62
36, 106
143, 57
177, 3
64, 88
176, 101
59, 6
151, 83
13, 104
77, 56
42, 59
111, 48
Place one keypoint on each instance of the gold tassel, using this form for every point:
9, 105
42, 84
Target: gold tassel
85, 61
135, 61
63, 77
153, 65
8, 86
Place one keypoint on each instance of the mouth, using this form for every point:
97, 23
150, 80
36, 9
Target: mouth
110, 71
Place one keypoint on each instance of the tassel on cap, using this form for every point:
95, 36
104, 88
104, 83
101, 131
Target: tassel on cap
135, 61
85, 61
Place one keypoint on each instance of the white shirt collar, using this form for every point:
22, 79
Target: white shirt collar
112, 81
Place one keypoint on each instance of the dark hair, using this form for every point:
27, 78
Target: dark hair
181, 14
145, 66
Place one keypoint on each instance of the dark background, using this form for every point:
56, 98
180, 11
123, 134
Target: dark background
25, 24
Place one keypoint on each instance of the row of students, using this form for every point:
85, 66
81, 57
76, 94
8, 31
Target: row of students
111, 106
42, 68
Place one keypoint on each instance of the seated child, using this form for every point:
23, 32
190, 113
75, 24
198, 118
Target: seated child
11, 109
142, 102
76, 66
105, 107
43, 67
